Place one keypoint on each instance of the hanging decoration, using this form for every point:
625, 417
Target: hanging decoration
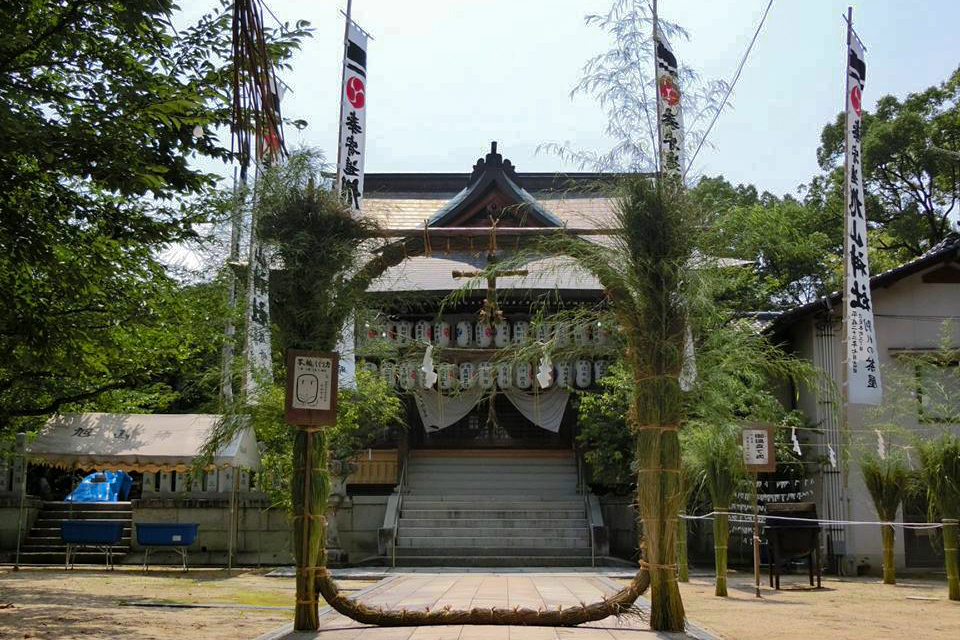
860, 339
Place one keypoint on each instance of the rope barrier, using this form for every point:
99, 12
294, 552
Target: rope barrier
742, 517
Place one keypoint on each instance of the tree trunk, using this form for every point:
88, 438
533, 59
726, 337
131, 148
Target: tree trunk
721, 534
889, 569
683, 571
950, 557
310, 491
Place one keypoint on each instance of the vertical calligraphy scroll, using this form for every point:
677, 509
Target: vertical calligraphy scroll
353, 119
863, 372
669, 114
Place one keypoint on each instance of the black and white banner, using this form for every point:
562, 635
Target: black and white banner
353, 118
863, 371
670, 125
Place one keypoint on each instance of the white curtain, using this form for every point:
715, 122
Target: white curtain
439, 411
542, 408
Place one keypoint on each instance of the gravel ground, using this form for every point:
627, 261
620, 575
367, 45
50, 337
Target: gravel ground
845, 609
87, 603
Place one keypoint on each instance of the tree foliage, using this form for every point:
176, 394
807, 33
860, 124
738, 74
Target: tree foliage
100, 101
911, 167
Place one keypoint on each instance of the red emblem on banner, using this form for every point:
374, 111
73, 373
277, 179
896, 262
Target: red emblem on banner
355, 92
855, 98
669, 91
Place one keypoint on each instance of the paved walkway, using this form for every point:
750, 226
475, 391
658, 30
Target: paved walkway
468, 590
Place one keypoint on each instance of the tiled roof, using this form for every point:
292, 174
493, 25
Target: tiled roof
411, 210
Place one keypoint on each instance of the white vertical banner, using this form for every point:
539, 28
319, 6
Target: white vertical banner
669, 113
353, 118
259, 359
863, 372
346, 349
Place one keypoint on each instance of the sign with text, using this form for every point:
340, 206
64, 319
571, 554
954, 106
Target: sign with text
759, 453
311, 388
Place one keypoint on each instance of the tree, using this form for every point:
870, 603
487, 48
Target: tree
911, 168
795, 247
101, 102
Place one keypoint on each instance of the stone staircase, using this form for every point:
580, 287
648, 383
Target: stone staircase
492, 510
44, 546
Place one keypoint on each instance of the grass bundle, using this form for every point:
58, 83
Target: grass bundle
886, 479
940, 468
714, 452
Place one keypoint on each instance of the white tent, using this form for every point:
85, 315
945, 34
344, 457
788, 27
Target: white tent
139, 442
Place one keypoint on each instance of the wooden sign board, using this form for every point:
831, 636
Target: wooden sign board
311, 388
759, 452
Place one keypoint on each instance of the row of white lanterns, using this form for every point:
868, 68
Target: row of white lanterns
466, 333
409, 374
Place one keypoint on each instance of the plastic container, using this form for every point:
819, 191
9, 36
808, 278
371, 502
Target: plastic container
91, 531
165, 534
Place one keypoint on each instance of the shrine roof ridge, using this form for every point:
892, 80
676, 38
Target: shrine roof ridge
411, 182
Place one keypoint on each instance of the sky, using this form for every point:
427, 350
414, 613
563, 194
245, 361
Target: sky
447, 77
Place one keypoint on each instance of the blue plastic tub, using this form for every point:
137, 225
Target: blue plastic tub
99, 532
163, 534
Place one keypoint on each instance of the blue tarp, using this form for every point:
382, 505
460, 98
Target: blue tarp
102, 486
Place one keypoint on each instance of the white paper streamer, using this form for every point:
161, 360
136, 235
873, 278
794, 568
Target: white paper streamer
429, 375
833, 455
796, 443
881, 445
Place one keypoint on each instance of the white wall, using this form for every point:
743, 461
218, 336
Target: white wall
909, 315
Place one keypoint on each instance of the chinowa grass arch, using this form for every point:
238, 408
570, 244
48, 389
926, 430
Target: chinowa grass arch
642, 292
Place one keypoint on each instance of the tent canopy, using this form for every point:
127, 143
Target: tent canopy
139, 442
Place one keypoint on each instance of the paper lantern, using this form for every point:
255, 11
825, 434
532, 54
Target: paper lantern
485, 375
501, 335
422, 331
484, 334
582, 371
544, 332
404, 332
600, 368
369, 366
372, 332
407, 374
524, 375
581, 334
448, 376
390, 331
600, 335
388, 373
521, 331
441, 333
467, 377
561, 334
464, 333
564, 374
504, 375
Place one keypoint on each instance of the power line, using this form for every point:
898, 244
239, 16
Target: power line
733, 83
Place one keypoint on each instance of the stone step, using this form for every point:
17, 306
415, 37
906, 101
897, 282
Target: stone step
492, 502
484, 514
62, 548
490, 531
469, 559
570, 540
85, 515
80, 557
506, 523
505, 552
89, 506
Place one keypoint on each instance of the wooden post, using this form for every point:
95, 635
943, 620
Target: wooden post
756, 536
